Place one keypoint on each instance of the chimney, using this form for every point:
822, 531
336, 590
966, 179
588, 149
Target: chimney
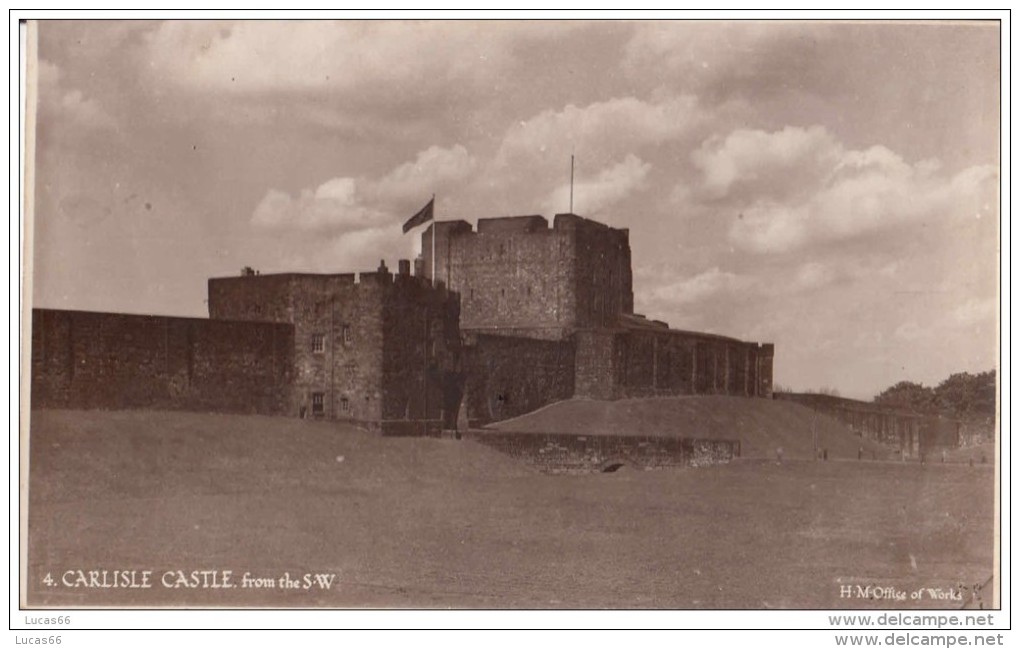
382, 267
404, 267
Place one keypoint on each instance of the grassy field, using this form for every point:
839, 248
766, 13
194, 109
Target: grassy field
978, 454
761, 425
444, 523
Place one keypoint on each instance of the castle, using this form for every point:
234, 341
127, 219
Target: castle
503, 319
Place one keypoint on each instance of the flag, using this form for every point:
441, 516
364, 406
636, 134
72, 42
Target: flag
424, 215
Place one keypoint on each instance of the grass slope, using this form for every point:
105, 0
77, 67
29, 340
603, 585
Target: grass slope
444, 523
761, 425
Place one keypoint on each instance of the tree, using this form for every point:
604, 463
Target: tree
967, 395
962, 395
909, 395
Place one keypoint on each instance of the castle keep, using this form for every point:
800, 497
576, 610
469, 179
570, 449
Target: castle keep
517, 276
506, 317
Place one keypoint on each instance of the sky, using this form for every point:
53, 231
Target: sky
828, 187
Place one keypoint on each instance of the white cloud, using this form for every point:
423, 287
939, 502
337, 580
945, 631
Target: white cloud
530, 168
702, 48
814, 274
401, 59
795, 187
760, 161
976, 311
363, 249
432, 168
67, 107
347, 204
334, 205
709, 284
598, 132
594, 195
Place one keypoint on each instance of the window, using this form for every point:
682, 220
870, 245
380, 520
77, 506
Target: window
318, 343
345, 404
318, 403
345, 334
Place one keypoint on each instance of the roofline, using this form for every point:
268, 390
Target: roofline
290, 274
159, 315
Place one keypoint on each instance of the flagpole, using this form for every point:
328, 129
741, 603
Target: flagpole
571, 183
433, 240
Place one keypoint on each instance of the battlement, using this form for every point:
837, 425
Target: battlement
509, 224
568, 222
524, 224
255, 287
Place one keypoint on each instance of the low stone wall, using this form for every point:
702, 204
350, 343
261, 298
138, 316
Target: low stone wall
562, 453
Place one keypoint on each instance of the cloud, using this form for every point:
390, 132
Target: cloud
690, 47
720, 61
334, 205
529, 169
404, 60
594, 195
709, 284
432, 168
67, 107
814, 275
799, 186
363, 249
758, 162
976, 311
345, 204
599, 132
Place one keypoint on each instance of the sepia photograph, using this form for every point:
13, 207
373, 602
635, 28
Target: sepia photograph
512, 314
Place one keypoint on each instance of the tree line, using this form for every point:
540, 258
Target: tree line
962, 395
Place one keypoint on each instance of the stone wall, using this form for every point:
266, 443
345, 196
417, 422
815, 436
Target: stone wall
91, 360
507, 377
372, 348
657, 361
558, 453
422, 377
517, 276
337, 336
595, 369
911, 433
603, 286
